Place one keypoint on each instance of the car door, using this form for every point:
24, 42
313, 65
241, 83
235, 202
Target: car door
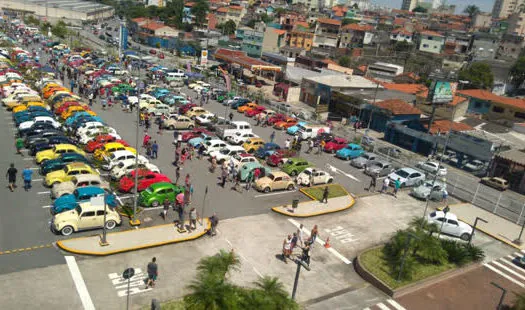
319, 177
87, 220
451, 227
170, 194
436, 193
278, 183
99, 218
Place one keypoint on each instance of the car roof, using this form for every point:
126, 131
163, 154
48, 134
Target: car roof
408, 170
161, 184
89, 190
87, 177
235, 147
279, 173
123, 152
246, 155
77, 165
450, 216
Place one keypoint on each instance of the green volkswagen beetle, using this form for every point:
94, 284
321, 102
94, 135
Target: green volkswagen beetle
294, 166
154, 195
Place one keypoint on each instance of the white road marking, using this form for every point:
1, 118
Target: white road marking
28, 158
43, 193
135, 284
156, 208
505, 275
46, 207
273, 194
395, 304
79, 283
38, 180
366, 308
509, 270
382, 306
337, 170
34, 168
321, 242
511, 264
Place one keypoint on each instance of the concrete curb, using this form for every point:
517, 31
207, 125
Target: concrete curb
61, 245
304, 215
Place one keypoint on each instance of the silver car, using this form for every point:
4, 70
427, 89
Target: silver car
379, 167
363, 160
426, 190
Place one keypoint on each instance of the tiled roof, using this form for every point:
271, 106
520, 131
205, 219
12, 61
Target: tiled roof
302, 24
329, 21
153, 25
139, 19
457, 100
411, 75
222, 9
398, 107
329, 61
279, 31
443, 126
189, 4
406, 88
431, 33
400, 21
488, 96
235, 7
362, 68
358, 27
402, 31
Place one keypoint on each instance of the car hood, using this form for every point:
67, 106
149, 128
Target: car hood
263, 181
66, 199
45, 153
56, 174
421, 191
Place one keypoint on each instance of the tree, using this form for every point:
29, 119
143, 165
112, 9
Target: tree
251, 23
279, 12
59, 29
401, 46
228, 27
344, 61
471, 10
266, 18
419, 9
200, 10
347, 21
517, 72
480, 75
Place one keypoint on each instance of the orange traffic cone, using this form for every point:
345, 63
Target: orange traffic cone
327, 243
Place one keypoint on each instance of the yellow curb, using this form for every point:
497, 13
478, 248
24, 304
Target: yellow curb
150, 245
284, 212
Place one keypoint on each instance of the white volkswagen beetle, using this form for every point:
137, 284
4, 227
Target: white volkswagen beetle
318, 177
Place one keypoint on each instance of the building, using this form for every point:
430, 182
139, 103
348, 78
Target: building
402, 35
431, 42
327, 33
510, 165
383, 71
454, 110
379, 114
408, 5
503, 8
261, 39
484, 46
511, 46
54, 10
500, 109
232, 12
311, 5
482, 21
159, 3
516, 24
356, 35
300, 37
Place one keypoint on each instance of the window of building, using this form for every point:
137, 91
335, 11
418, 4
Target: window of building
498, 109
519, 115
425, 45
429, 38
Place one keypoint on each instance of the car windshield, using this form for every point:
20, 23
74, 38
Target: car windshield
149, 190
428, 184
402, 173
307, 172
271, 176
225, 151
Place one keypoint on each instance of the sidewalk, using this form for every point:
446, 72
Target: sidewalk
132, 240
314, 207
497, 227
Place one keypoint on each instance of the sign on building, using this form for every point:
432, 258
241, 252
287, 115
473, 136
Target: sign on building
442, 91
204, 57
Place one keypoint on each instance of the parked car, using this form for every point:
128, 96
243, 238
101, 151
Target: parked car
246, 168
195, 132
363, 160
205, 118
80, 195
350, 151
59, 163
266, 150
450, 225
475, 165
213, 145
81, 180
407, 177
56, 151
126, 166
252, 144
118, 156
431, 190
241, 159
317, 176
432, 167
390, 151
225, 154
380, 168
83, 217
294, 166
275, 180
178, 122
335, 145
155, 195
280, 157
145, 179
240, 138
68, 172
495, 182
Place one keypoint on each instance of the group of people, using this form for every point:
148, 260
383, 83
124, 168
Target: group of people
385, 185
298, 239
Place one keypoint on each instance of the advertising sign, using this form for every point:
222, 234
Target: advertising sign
442, 91
204, 57
123, 37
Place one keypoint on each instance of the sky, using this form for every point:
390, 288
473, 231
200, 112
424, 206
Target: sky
484, 5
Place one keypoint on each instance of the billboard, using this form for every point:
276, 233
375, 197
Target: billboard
123, 37
442, 91
204, 57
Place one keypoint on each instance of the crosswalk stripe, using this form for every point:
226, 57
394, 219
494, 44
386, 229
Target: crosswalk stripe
395, 304
512, 264
366, 308
509, 270
504, 275
382, 306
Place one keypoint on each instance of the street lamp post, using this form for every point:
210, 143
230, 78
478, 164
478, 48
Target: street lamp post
407, 243
474, 228
518, 241
103, 241
134, 221
503, 294
300, 262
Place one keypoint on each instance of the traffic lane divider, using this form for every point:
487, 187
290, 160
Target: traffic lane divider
32, 248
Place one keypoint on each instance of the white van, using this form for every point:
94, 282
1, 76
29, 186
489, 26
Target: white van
311, 131
174, 76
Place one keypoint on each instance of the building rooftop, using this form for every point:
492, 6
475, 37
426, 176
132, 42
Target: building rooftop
397, 107
343, 81
73, 5
488, 96
406, 88
443, 126
296, 74
329, 21
517, 156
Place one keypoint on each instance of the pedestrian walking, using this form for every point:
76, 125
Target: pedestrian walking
373, 181
287, 248
90, 97
314, 233
159, 120
213, 165
214, 221
310, 146
287, 144
322, 144
11, 177
237, 185
300, 235
147, 124
27, 174
325, 195
193, 218
294, 241
165, 208
397, 185
249, 180
384, 188
180, 211
305, 257
445, 196
19, 144
230, 116
153, 272
224, 175
256, 174
187, 180
177, 175
154, 150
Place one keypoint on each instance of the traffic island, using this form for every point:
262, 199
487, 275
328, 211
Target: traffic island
134, 239
338, 200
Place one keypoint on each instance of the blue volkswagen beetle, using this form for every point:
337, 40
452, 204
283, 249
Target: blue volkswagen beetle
266, 150
196, 142
292, 130
81, 194
350, 151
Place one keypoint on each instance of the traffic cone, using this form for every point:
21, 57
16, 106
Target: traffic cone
327, 243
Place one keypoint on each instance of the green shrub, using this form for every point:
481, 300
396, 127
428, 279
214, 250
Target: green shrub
457, 253
475, 253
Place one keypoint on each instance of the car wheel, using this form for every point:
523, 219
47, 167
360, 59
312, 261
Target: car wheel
172, 127
266, 190
290, 187
348, 158
111, 224
465, 237
67, 230
280, 164
330, 181
190, 127
293, 173
155, 204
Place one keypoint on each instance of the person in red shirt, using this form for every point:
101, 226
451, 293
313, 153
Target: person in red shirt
256, 174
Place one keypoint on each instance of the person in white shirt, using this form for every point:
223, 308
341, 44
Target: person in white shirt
386, 182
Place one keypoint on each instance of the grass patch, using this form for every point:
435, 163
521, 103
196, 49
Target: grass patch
374, 261
334, 190
170, 305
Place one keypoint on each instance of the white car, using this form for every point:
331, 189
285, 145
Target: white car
88, 126
148, 103
91, 134
116, 157
242, 158
432, 167
214, 145
126, 166
240, 138
407, 177
225, 154
205, 118
39, 119
319, 177
160, 109
450, 225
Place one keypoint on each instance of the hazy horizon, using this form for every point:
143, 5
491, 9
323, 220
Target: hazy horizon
484, 5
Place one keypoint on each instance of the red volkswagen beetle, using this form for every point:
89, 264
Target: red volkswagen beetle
254, 111
335, 145
279, 157
145, 178
196, 132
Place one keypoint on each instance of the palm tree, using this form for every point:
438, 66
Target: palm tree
275, 295
471, 10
